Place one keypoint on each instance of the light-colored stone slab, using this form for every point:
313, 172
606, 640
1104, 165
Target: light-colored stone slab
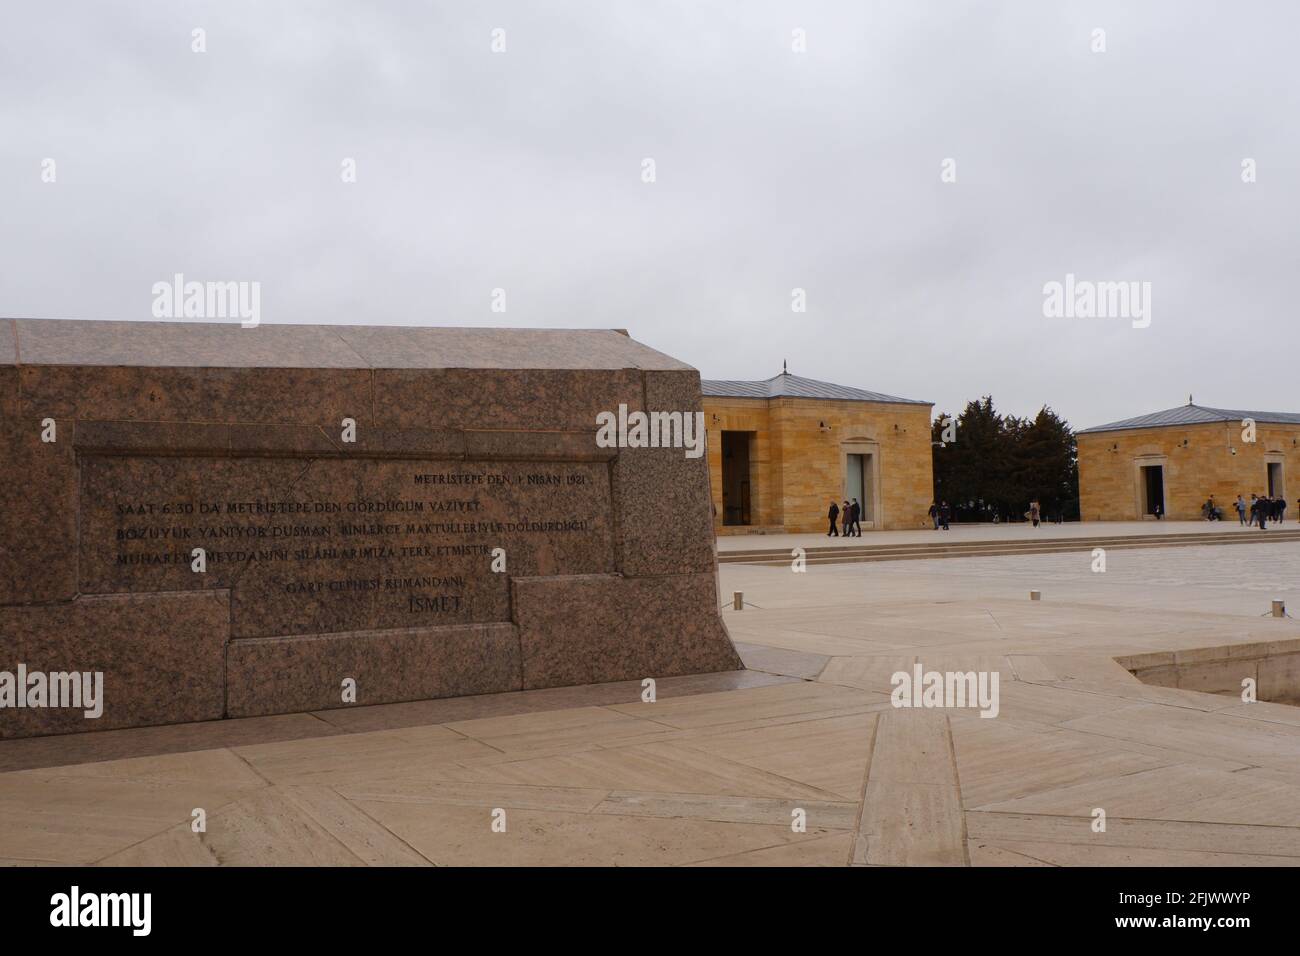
268, 828
912, 813
1078, 854
1168, 793
84, 819
366, 839
1195, 732
463, 836
348, 758
817, 814
176, 846
1176, 835
788, 701
830, 753
657, 767
460, 793
829, 850
560, 729
1001, 761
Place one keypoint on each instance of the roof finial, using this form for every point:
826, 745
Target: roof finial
1189, 398
785, 368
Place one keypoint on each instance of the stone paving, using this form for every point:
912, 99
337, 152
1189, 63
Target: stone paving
1015, 532
1212, 579
715, 771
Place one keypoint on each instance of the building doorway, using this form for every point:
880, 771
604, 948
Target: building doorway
858, 483
1153, 489
737, 478
1276, 487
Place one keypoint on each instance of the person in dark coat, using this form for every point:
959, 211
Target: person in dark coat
856, 523
833, 514
944, 514
846, 517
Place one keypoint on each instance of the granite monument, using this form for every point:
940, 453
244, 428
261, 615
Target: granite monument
202, 520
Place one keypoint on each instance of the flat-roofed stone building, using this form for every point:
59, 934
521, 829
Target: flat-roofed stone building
782, 448
1177, 458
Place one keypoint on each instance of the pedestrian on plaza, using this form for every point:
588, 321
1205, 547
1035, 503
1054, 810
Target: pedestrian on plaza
1241, 510
1034, 512
833, 514
934, 515
857, 517
846, 517
944, 513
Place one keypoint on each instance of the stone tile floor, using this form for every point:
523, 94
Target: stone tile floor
711, 773
1009, 533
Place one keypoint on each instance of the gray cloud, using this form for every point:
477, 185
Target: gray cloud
775, 170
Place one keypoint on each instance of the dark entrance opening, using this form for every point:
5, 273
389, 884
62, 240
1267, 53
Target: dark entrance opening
858, 484
1153, 489
736, 477
1275, 479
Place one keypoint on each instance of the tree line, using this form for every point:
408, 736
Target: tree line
994, 465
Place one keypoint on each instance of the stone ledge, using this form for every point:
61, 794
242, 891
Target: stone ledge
596, 628
161, 655
280, 675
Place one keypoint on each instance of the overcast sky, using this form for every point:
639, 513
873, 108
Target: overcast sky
774, 170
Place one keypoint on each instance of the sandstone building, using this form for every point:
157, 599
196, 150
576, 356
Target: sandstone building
781, 449
1177, 458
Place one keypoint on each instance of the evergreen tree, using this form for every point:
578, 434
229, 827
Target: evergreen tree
998, 464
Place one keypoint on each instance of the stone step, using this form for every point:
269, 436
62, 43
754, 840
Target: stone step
946, 544
997, 549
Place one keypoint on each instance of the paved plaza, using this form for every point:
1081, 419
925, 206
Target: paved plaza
715, 771
1000, 533
1211, 580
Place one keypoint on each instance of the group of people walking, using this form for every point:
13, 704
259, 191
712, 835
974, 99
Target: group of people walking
1259, 511
850, 515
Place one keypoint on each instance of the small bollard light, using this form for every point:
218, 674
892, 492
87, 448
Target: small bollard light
738, 600
1035, 595
1279, 607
